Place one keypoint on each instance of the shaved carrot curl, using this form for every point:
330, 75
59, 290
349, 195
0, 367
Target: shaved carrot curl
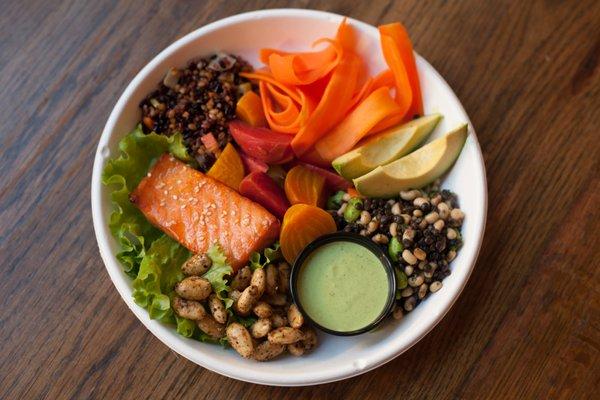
326, 98
357, 124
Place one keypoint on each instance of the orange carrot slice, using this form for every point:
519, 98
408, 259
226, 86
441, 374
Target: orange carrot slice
249, 109
302, 224
396, 43
303, 186
229, 168
357, 124
303, 68
334, 104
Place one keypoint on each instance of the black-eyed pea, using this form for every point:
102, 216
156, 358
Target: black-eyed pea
296, 349
260, 328
197, 264
279, 299
267, 351
211, 327
263, 310
295, 317
278, 320
240, 339
284, 277
217, 309
241, 280
189, 309
193, 288
272, 279
285, 335
259, 279
247, 299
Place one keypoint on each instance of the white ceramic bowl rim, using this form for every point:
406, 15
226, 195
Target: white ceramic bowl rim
316, 376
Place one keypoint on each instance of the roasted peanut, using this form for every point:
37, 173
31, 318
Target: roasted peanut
247, 299
241, 280
260, 328
295, 317
272, 279
266, 351
217, 309
309, 339
197, 264
211, 327
240, 339
189, 309
259, 280
296, 349
285, 335
284, 277
193, 288
235, 295
263, 310
278, 320
279, 299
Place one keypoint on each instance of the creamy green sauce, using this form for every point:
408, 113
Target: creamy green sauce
342, 286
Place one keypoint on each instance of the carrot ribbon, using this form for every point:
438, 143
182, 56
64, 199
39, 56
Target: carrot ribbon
326, 99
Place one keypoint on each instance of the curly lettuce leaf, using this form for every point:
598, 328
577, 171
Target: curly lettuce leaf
268, 255
127, 224
160, 270
218, 273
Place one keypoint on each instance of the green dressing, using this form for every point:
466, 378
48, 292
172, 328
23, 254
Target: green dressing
343, 286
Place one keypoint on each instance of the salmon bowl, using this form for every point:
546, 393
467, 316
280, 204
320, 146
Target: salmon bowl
336, 357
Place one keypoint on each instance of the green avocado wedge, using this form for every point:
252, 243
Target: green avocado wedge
415, 170
386, 147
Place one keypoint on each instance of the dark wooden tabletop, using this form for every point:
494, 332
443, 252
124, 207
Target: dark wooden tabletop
527, 324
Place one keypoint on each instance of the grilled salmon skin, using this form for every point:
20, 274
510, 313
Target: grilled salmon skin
198, 211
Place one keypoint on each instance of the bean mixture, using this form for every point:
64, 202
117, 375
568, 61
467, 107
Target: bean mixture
420, 230
197, 100
261, 296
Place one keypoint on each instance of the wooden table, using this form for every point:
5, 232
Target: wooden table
527, 324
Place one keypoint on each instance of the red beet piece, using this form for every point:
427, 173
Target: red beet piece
261, 188
262, 143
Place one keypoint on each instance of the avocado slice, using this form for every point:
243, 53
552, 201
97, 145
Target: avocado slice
386, 147
415, 170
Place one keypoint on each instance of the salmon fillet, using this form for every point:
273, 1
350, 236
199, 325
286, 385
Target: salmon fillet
198, 211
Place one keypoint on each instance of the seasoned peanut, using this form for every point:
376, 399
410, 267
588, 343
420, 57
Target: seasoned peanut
295, 317
296, 349
279, 299
247, 299
235, 295
193, 288
309, 338
263, 310
240, 339
217, 309
197, 264
259, 280
267, 351
272, 279
260, 328
241, 280
284, 277
189, 309
278, 320
285, 335
211, 327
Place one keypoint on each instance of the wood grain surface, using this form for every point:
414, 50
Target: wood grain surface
527, 325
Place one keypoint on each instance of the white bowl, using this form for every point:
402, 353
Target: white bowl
336, 357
